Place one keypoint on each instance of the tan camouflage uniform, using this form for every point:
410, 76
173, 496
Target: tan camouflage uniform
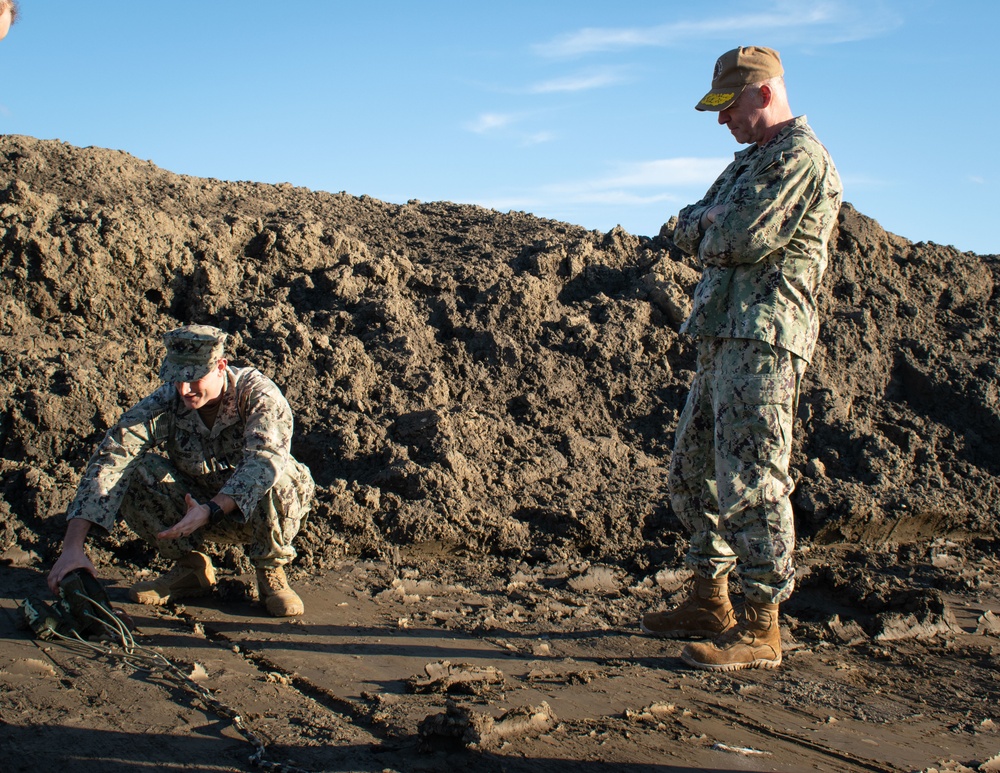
756, 321
160, 450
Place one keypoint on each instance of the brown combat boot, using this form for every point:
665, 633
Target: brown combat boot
706, 613
274, 591
755, 642
191, 576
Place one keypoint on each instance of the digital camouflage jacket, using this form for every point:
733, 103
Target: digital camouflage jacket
244, 453
764, 257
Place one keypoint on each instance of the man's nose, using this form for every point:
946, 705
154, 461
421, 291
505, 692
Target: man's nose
723, 117
184, 388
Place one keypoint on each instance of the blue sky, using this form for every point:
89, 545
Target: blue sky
577, 110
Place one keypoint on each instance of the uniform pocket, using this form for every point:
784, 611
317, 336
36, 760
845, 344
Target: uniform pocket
762, 390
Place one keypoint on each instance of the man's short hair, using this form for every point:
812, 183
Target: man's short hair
9, 5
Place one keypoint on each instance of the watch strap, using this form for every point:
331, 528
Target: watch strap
215, 511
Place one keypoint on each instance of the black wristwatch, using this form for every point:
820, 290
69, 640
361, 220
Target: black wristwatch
215, 512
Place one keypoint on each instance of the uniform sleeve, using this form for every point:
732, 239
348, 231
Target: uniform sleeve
764, 214
267, 440
688, 232
107, 477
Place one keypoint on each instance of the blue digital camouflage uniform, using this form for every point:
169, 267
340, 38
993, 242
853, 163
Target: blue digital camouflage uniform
755, 317
160, 450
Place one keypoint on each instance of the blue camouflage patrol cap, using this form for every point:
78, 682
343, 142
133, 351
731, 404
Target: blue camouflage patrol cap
192, 352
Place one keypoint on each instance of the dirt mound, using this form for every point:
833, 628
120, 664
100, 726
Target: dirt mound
497, 383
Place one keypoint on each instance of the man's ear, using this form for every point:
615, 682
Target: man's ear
766, 95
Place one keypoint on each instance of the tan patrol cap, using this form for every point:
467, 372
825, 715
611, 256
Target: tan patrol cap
737, 69
192, 352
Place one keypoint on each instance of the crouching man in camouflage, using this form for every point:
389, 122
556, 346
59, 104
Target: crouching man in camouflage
760, 234
204, 459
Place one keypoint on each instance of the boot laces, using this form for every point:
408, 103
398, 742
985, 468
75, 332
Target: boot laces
273, 579
747, 628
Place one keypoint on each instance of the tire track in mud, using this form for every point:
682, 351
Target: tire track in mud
313, 693
843, 757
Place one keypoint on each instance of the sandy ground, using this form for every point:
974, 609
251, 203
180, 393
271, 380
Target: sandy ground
532, 670
487, 403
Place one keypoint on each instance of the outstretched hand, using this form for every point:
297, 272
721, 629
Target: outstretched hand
195, 517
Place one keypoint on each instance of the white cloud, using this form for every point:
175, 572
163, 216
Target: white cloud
488, 122
504, 125
832, 21
580, 82
538, 138
665, 172
862, 180
630, 184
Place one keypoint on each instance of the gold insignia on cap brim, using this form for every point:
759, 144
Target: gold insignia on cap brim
714, 100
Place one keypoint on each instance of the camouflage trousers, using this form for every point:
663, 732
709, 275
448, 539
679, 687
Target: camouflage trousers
155, 501
729, 481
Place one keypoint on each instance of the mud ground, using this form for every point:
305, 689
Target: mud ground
487, 403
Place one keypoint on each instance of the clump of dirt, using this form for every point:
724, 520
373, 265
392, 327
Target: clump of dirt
495, 383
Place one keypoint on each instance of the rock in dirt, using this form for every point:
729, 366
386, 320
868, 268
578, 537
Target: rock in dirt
992, 765
481, 731
988, 623
932, 617
654, 713
456, 678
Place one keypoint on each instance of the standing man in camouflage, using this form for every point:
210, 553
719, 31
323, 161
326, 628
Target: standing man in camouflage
761, 235
205, 458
